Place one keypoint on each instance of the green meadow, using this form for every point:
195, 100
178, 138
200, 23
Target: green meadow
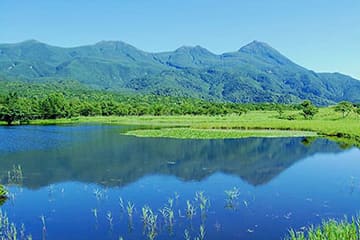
326, 123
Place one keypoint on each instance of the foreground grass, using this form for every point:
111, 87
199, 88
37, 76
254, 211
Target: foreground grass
329, 230
326, 123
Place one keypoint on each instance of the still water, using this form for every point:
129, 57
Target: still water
74, 177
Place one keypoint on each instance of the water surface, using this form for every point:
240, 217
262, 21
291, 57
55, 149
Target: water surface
68, 171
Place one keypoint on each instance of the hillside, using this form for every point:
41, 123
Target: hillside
254, 73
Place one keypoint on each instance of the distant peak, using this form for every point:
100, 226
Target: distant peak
110, 43
185, 47
31, 41
193, 49
264, 51
116, 45
256, 45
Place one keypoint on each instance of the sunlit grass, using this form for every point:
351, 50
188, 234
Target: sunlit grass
192, 133
329, 230
327, 122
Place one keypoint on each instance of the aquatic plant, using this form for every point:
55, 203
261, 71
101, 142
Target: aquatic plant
201, 234
22, 231
204, 203
171, 217
232, 197
99, 194
130, 209
15, 175
171, 202
329, 230
187, 235
168, 216
150, 222
42, 217
121, 203
3, 191
3, 194
9, 231
110, 219
95, 213
176, 196
190, 210
145, 213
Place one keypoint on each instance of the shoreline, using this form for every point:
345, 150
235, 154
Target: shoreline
326, 124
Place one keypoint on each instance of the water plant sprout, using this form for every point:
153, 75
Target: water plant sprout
109, 217
190, 210
204, 203
232, 197
15, 175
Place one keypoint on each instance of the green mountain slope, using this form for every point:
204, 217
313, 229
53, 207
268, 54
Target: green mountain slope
254, 73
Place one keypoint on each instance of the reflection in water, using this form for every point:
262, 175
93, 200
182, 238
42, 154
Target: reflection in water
98, 154
91, 182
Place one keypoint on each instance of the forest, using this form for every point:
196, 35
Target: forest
21, 103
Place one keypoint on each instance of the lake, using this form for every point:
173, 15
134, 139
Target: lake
92, 182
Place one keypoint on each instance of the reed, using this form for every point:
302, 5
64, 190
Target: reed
232, 196
329, 230
190, 210
130, 208
187, 235
204, 202
95, 214
9, 231
15, 175
150, 222
121, 203
109, 217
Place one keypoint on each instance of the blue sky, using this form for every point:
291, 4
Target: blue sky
322, 35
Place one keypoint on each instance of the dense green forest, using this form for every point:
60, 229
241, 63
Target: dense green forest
24, 102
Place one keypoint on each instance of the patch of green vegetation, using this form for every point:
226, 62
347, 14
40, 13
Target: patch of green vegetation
40, 104
191, 133
3, 195
326, 123
329, 230
3, 191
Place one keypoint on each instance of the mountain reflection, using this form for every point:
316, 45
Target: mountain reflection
100, 154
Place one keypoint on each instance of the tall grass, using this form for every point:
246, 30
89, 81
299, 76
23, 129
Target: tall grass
329, 230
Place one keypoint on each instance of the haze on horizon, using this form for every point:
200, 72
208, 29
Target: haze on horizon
322, 35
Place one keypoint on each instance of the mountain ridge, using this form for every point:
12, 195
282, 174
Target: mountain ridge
254, 73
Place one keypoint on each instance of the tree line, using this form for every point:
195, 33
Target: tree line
17, 107
31, 103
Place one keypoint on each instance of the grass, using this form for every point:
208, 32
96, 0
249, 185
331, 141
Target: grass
190, 133
329, 230
326, 123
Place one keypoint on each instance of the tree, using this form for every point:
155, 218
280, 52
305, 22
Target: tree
345, 108
54, 106
309, 109
15, 109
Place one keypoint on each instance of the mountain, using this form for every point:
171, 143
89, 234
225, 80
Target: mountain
255, 73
